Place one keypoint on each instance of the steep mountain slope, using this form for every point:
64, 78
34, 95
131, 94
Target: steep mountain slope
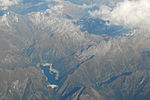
106, 62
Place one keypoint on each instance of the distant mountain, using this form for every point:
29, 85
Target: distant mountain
1, 13
98, 26
32, 1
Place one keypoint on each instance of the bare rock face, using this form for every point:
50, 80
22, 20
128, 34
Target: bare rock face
22, 84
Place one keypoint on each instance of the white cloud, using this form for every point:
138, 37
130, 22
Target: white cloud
68, 8
9, 2
55, 0
103, 13
56, 10
128, 13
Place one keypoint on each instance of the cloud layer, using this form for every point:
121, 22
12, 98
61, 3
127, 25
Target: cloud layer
9, 2
128, 13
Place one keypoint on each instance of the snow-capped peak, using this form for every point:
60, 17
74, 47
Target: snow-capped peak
8, 20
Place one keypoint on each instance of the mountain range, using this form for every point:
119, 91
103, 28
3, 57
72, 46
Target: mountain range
74, 50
